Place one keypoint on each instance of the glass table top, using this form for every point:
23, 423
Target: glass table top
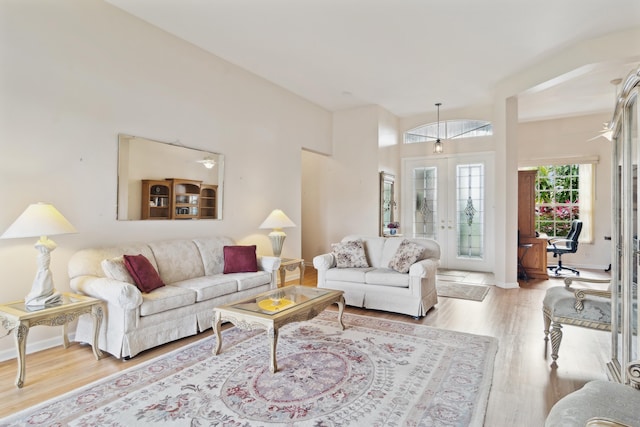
21, 307
279, 300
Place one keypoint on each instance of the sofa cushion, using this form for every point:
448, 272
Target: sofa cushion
406, 254
144, 275
208, 287
386, 277
88, 262
114, 268
350, 254
177, 260
166, 298
240, 259
251, 280
212, 254
347, 274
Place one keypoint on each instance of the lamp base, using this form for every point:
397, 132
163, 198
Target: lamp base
277, 240
43, 300
42, 290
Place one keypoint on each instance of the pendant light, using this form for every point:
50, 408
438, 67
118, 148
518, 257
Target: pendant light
437, 147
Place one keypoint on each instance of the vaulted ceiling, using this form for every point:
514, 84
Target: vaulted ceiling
405, 55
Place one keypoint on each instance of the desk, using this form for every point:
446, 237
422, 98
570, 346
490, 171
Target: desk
15, 316
290, 264
535, 262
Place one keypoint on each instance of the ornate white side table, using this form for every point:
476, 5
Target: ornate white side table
18, 318
290, 264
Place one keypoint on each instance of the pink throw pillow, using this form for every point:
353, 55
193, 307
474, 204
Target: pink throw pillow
240, 259
144, 274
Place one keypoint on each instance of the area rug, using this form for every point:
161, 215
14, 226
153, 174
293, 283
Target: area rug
376, 372
461, 290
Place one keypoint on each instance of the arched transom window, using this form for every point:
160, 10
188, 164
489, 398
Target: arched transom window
450, 129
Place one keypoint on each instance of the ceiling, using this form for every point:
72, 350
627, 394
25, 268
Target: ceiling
405, 55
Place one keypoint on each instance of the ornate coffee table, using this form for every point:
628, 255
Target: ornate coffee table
275, 308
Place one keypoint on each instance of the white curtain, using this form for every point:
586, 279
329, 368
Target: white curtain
585, 199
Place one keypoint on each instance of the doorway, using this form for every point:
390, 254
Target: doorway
451, 199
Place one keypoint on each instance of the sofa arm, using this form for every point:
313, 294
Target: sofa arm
269, 263
121, 294
423, 268
324, 262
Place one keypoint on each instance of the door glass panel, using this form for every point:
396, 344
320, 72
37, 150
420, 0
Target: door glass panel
425, 205
470, 210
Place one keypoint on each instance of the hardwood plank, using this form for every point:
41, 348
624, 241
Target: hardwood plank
525, 386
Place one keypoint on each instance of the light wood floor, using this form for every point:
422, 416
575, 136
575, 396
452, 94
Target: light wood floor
525, 386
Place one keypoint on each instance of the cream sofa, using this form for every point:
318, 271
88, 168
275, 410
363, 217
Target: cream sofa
195, 283
380, 287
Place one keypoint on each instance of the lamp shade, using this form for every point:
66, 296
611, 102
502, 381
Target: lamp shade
39, 219
277, 220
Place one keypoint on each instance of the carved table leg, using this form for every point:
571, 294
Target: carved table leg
96, 316
301, 273
556, 338
65, 336
20, 335
272, 333
547, 325
217, 319
340, 311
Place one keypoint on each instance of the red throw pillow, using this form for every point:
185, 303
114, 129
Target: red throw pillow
240, 259
143, 272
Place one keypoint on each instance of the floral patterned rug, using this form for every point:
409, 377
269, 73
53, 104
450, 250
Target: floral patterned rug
377, 372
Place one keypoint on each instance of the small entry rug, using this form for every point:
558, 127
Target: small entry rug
377, 372
461, 290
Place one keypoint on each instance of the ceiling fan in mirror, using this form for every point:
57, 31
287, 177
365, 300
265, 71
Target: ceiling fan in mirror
606, 131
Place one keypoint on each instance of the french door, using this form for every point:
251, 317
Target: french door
450, 200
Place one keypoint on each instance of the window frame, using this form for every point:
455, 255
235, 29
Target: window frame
430, 131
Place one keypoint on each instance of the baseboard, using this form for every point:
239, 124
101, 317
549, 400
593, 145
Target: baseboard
33, 347
506, 285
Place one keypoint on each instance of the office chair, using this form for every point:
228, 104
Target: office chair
568, 245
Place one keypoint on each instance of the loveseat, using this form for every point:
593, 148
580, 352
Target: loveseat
384, 273
193, 272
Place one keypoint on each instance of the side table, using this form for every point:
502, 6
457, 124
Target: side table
290, 264
18, 318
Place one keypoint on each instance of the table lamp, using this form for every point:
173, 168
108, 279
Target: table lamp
277, 220
40, 219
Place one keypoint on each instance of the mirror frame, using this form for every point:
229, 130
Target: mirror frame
386, 180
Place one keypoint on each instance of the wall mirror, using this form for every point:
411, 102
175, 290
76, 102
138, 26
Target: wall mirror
387, 203
159, 180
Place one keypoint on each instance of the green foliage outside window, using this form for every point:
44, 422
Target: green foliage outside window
557, 204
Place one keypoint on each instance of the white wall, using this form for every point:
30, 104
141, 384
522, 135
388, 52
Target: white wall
74, 74
340, 192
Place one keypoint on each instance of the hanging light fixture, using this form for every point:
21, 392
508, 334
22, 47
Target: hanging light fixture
437, 147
